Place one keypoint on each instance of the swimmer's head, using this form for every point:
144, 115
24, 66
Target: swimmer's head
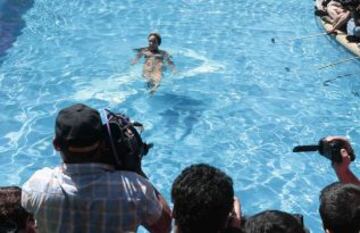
154, 36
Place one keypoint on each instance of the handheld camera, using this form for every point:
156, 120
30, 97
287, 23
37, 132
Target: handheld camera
124, 145
330, 150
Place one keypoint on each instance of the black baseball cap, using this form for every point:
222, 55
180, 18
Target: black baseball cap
78, 125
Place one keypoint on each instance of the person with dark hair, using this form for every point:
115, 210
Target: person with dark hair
342, 169
340, 208
275, 221
13, 217
154, 60
203, 198
84, 194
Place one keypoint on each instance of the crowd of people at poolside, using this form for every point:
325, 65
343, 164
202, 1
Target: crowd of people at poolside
88, 192
343, 15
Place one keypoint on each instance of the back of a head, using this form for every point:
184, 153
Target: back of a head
203, 198
12, 215
78, 125
274, 221
78, 130
340, 208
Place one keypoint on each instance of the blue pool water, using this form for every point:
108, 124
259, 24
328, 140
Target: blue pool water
238, 101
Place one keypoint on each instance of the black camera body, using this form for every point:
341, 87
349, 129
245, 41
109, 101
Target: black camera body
330, 150
124, 147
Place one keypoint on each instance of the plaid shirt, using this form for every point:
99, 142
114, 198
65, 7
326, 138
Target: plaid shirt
90, 198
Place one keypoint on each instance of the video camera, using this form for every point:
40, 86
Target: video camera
330, 150
124, 146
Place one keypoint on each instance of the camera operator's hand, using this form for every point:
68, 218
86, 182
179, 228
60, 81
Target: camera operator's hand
345, 152
342, 169
344, 164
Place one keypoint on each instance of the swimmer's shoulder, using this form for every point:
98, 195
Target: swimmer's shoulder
140, 50
164, 54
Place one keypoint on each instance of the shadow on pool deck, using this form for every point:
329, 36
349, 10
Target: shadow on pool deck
11, 22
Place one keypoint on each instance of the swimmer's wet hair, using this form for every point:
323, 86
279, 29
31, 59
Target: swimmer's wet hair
157, 35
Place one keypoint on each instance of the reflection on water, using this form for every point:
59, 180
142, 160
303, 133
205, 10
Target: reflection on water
11, 21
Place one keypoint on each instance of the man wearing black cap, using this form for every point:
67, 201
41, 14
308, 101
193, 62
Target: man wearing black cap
86, 195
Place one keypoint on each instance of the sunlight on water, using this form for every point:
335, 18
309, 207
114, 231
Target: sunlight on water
205, 66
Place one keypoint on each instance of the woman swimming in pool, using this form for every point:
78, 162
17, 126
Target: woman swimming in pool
154, 60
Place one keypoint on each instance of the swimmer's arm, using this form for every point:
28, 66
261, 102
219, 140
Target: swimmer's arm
169, 61
139, 54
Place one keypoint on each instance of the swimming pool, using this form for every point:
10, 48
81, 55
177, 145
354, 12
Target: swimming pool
238, 102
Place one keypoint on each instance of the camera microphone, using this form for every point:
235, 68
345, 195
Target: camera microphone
330, 150
306, 148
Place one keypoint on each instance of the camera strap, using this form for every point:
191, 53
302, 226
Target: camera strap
107, 116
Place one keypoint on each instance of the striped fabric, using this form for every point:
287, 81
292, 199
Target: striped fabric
90, 198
